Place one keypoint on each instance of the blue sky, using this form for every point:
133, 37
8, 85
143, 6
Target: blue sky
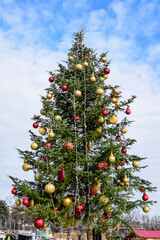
35, 35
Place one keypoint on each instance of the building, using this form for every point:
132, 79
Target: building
143, 235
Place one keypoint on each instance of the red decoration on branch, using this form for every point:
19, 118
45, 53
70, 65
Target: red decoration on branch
39, 223
145, 197
76, 118
128, 111
122, 162
68, 146
105, 112
102, 165
123, 150
64, 87
51, 79
14, 191
26, 201
79, 208
35, 125
117, 167
61, 175
118, 138
92, 192
106, 70
48, 144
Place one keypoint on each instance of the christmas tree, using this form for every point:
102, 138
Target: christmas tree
79, 152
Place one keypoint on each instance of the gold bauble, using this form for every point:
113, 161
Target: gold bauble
79, 67
116, 229
34, 146
25, 161
77, 93
31, 206
100, 120
146, 209
125, 179
85, 63
98, 129
135, 164
42, 130
124, 130
121, 184
26, 167
105, 76
96, 185
37, 176
103, 59
42, 111
108, 209
116, 90
18, 202
114, 100
49, 188
49, 96
100, 91
101, 79
103, 200
67, 201
112, 158
99, 103
70, 58
113, 119
89, 145
117, 104
93, 79
58, 118
51, 134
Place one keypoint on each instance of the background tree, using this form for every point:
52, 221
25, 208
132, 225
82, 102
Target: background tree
4, 210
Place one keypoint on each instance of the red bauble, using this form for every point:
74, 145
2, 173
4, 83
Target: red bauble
26, 201
79, 208
102, 165
123, 150
145, 197
14, 191
45, 158
55, 209
61, 175
92, 192
68, 146
48, 144
113, 95
51, 79
105, 112
128, 111
118, 138
86, 57
39, 223
35, 125
81, 192
122, 162
117, 167
28, 205
107, 216
106, 70
76, 118
64, 87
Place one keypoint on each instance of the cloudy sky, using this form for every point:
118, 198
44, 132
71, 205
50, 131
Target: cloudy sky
35, 35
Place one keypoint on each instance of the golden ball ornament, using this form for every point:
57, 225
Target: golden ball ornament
49, 96
18, 202
117, 104
98, 129
135, 164
31, 206
34, 146
49, 188
103, 200
42, 130
79, 67
89, 145
113, 119
92, 78
70, 58
77, 93
25, 161
96, 185
42, 111
124, 130
100, 119
37, 176
146, 209
67, 201
116, 228
125, 179
114, 100
108, 209
105, 76
51, 134
101, 79
116, 90
111, 158
104, 59
100, 91
85, 64
26, 167
58, 118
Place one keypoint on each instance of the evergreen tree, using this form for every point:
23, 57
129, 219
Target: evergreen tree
81, 161
4, 210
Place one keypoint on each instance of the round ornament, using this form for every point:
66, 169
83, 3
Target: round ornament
61, 175
79, 67
106, 70
111, 158
118, 138
116, 90
104, 59
128, 111
26, 201
51, 134
123, 150
100, 91
108, 209
49, 188
58, 118
35, 125
79, 208
51, 79
42, 111
48, 145
124, 130
146, 209
105, 76
113, 119
76, 118
49, 96
114, 100
70, 58
64, 87
105, 112
145, 197
93, 79
135, 164
86, 57
44, 159
14, 191
67, 201
103, 200
98, 129
117, 167
122, 162
96, 185
101, 79
39, 223
100, 119
92, 192
37, 176
34, 146
125, 179
142, 189
102, 165
18, 202
42, 130
117, 103
85, 64
55, 209
89, 145
68, 146
77, 93
26, 167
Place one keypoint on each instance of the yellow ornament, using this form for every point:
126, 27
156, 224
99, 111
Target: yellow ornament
49, 96
58, 118
42, 130
100, 120
121, 184
100, 91
89, 145
70, 58
146, 209
85, 63
117, 104
108, 209
101, 79
26, 167
105, 76
125, 179
25, 160
116, 90
42, 111
113, 119
96, 185
116, 229
98, 129
51, 134
104, 59
124, 130
34, 146
114, 100
93, 79
37, 176
18, 202
99, 103
112, 158
67, 201
135, 164
77, 93
79, 67
103, 200
49, 188
31, 206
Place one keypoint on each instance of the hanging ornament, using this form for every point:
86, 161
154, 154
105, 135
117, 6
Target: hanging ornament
142, 189
117, 103
68, 146
48, 145
58, 118
117, 167
86, 57
96, 185
116, 90
70, 58
98, 129
104, 59
42, 111
44, 159
106, 70
76, 118
55, 209
39, 223
105, 76
79, 208
108, 209
61, 175
124, 130
79, 67
77, 93
113, 119
26, 201
51, 134
128, 111
26, 167
118, 138
135, 164
31, 204
125, 179
89, 145
93, 79
114, 100
100, 119
101, 79
99, 103
103, 200
67, 201
146, 209
35, 125
49, 188
145, 197
105, 112
51, 79
64, 87
112, 158
37, 176
49, 96
122, 162
123, 150
116, 229
18, 202
102, 165
91, 191
85, 64
100, 91
107, 216
14, 191
42, 130
34, 146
